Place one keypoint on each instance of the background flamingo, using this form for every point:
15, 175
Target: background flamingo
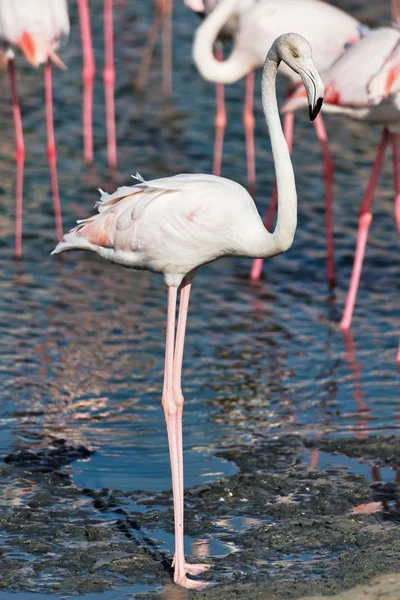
88, 74
371, 96
255, 25
162, 19
35, 27
174, 225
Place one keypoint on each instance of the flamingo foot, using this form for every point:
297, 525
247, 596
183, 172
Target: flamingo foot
195, 569
191, 584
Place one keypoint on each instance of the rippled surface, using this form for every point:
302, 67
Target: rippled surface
82, 341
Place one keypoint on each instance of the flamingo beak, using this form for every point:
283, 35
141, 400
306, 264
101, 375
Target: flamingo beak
315, 90
314, 110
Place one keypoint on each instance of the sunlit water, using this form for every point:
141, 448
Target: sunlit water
82, 341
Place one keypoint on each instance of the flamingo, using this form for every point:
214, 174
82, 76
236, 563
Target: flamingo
372, 96
255, 24
88, 74
176, 224
162, 19
36, 28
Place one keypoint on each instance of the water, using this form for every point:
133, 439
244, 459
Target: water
82, 341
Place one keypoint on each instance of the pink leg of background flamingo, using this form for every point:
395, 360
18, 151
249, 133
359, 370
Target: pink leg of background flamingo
109, 83
249, 124
88, 73
364, 223
220, 117
19, 158
51, 148
162, 19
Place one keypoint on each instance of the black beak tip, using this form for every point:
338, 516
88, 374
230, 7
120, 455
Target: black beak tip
314, 111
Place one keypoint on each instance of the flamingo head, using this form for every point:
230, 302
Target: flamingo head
296, 52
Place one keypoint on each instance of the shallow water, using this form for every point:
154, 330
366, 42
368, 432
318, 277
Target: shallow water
82, 341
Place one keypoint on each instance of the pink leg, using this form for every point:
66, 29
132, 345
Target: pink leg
328, 182
109, 83
179, 400
249, 123
396, 169
19, 158
51, 149
173, 406
149, 47
288, 124
364, 223
220, 118
88, 73
167, 47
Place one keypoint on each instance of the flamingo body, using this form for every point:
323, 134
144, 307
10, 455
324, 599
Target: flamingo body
172, 225
36, 27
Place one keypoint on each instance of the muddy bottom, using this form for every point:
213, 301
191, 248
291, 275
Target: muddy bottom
299, 517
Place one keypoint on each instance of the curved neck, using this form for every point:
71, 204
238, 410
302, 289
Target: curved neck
238, 64
283, 235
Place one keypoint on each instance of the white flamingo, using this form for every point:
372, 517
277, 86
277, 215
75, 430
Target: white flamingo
174, 225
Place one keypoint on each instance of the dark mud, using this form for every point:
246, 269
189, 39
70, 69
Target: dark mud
288, 524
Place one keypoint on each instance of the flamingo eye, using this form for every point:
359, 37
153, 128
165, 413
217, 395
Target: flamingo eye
294, 52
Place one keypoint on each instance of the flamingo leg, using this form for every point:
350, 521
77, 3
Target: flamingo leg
88, 73
109, 83
179, 400
364, 223
149, 47
396, 170
167, 47
173, 408
249, 124
220, 117
51, 149
328, 183
288, 125
19, 158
